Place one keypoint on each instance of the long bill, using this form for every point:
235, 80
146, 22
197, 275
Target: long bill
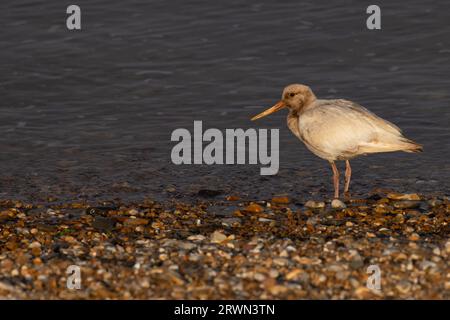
278, 106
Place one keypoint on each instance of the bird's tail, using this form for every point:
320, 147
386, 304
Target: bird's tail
411, 146
391, 145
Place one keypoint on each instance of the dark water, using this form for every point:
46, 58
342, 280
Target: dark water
89, 114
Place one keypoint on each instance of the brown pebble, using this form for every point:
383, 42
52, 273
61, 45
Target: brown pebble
362, 293
406, 204
414, 237
7, 264
135, 222
294, 274
315, 204
218, 237
36, 251
403, 196
254, 208
280, 200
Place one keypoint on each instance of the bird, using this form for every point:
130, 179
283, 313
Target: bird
338, 129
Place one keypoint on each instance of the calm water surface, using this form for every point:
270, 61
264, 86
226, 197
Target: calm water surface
89, 114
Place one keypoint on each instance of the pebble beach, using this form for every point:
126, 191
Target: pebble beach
227, 248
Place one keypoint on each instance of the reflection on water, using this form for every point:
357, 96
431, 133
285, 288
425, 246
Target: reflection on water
90, 113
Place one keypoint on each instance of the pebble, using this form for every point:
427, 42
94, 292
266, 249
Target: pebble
307, 261
135, 222
294, 274
228, 222
103, 223
434, 202
403, 196
259, 277
265, 220
314, 204
273, 273
383, 208
414, 237
194, 257
133, 212
403, 286
197, 237
280, 261
427, 265
186, 246
277, 289
254, 208
218, 237
362, 292
280, 200
407, 204
437, 251
338, 204
209, 193
447, 247
34, 244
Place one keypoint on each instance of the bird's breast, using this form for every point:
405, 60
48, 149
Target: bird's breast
293, 124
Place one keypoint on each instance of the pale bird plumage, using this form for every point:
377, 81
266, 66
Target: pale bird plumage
338, 129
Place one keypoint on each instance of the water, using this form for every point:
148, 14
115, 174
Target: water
89, 114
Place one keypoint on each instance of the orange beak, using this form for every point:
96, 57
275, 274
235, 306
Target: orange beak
278, 106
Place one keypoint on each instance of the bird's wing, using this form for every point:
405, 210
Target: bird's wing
381, 123
343, 129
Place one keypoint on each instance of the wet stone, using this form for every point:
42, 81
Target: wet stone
135, 222
218, 237
103, 224
254, 208
383, 208
403, 196
197, 237
265, 220
209, 193
434, 202
338, 204
407, 204
280, 200
403, 287
222, 211
315, 204
229, 222
186, 245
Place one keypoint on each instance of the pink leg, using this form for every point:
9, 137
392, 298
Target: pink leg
348, 175
335, 179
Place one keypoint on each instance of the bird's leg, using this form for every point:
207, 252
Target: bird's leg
335, 179
348, 175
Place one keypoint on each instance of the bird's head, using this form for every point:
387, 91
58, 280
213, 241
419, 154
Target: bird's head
294, 97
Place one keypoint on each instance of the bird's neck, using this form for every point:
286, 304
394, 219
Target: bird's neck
309, 101
308, 104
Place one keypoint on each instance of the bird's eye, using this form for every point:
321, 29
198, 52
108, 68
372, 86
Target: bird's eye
291, 94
